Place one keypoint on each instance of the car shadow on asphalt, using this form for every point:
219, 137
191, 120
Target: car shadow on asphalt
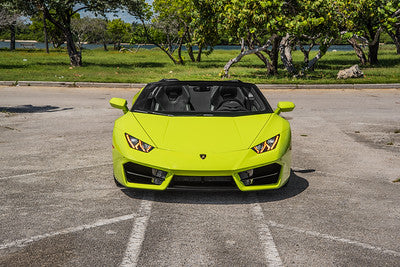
294, 187
32, 109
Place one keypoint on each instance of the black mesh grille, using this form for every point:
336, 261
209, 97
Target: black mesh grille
136, 173
268, 174
202, 181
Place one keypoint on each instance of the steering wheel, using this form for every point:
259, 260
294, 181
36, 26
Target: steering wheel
238, 107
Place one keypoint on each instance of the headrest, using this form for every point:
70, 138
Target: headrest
173, 92
228, 92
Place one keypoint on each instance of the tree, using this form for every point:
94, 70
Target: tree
392, 27
54, 34
364, 21
276, 27
205, 21
81, 28
170, 25
90, 30
174, 17
9, 18
308, 24
117, 29
259, 25
64, 11
98, 32
161, 33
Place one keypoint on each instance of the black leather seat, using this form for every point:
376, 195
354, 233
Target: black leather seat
172, 98
226, 98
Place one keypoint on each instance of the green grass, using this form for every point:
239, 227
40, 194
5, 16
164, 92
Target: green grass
151, 65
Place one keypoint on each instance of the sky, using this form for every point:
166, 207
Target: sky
119, 15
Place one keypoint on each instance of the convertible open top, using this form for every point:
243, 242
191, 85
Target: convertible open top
174, 97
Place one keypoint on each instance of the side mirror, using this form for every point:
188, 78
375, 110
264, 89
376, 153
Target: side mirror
284, 107
119, 103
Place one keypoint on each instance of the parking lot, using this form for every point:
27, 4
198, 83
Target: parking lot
59, 205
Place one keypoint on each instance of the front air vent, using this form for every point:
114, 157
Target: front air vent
136, 173
203, 182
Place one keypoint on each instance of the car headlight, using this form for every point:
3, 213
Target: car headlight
138, 144
268, 145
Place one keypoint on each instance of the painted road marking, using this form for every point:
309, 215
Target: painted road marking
46, 172
334, 238
271, 253
103, 222
136, 239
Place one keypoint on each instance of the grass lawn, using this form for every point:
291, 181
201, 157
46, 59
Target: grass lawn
152, 65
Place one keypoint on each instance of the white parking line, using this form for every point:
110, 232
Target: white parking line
270, 251
51, 171
27, 241
334, 238
134, 246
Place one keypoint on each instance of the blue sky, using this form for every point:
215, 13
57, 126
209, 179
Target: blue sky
119, 15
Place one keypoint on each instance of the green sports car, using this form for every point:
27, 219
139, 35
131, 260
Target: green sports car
201, 134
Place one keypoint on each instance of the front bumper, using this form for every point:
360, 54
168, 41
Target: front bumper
138, 173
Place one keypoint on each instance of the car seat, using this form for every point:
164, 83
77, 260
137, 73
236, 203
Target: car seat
172, 98
227, 98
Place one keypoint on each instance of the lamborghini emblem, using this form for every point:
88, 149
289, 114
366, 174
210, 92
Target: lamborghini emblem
203, 156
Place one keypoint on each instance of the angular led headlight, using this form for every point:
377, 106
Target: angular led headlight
266, 145
138, 144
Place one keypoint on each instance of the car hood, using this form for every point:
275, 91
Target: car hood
202, 134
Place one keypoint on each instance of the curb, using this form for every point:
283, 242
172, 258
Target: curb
8, 83
261, 86
328, 86
73, 84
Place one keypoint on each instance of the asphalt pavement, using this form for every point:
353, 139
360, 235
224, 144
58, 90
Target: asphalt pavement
59, 205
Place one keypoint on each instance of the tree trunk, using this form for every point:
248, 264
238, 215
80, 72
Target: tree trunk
286, 55
264, 60
373, 49
176, 62
306, 52
373, 53
189, 45
359, 52
198, 59
322, 51
274, 56
74, 55
12, 37
396, 39
242, 54
105, 46
180, 59
46, 42
117, 45
167, 51
190, 52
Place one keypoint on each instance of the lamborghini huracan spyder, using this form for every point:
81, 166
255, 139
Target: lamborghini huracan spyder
201, 134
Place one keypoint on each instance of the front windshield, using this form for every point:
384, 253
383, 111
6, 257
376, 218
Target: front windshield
202, 98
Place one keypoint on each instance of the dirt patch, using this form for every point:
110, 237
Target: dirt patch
378, 136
